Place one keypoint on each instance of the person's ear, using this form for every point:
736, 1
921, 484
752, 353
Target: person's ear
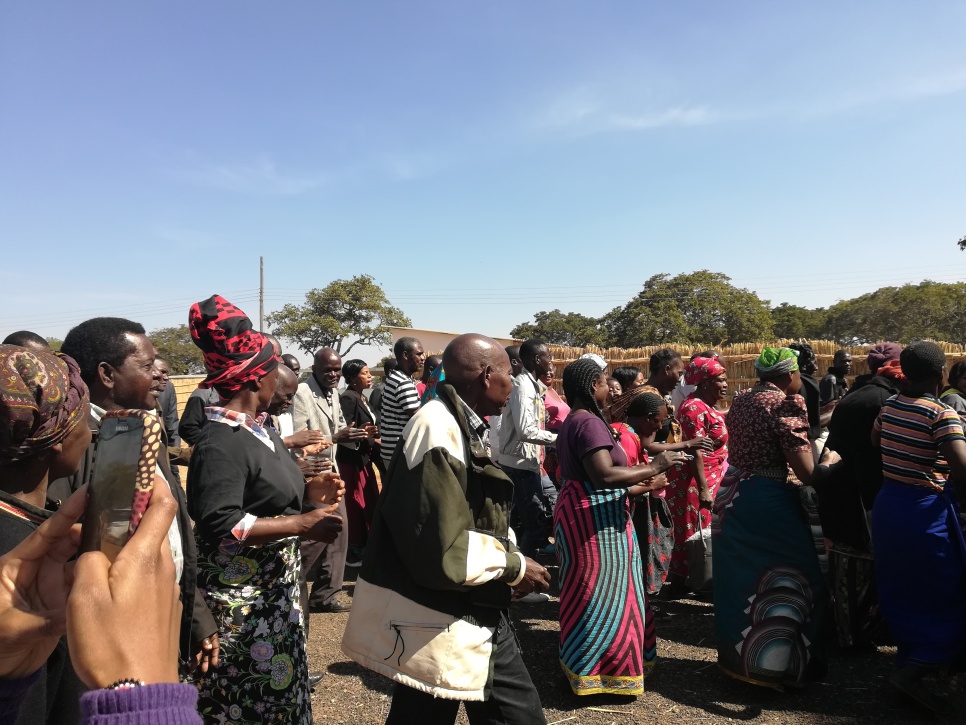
105, 373
485, 376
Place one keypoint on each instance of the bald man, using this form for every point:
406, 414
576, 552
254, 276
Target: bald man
440, 569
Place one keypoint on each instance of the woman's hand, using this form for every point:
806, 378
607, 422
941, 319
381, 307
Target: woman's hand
829, 457
320, 525
666, 459
705, 499
123, 619
35, 581
656, 483
699, 444
325, 488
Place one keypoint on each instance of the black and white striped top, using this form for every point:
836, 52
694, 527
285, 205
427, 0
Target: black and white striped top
399, 401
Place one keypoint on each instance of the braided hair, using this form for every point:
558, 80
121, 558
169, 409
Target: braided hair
645, 405
578, 384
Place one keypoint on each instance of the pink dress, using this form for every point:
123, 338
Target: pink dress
697, 420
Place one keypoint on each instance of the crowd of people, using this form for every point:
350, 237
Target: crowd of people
799, 507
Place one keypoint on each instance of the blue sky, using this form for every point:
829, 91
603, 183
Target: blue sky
482, 160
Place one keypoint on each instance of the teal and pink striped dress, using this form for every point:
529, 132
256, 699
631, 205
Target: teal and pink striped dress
607, 639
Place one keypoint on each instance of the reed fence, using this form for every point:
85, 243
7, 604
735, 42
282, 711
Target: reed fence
738, 359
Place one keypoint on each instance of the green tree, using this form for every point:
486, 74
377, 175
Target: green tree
175, 345
792, 321
559, 328
698, 308
933, 310
962, 243
345, 308
55, 343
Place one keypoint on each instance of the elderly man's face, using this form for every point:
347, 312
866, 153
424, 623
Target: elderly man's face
136, 383
500, 383
328, 370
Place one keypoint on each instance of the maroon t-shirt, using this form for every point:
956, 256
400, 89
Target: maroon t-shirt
580, 434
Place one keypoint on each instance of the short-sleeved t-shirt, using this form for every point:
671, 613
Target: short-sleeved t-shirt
580, 434
763, 423
399, 401
911, 430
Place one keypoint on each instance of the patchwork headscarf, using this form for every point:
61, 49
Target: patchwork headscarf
702, 368
892, 369
882, 353
234, 353
42, 399
775, 361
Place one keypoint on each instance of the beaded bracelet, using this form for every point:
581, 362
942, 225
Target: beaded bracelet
126, 684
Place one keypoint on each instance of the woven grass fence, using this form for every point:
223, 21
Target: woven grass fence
739, 359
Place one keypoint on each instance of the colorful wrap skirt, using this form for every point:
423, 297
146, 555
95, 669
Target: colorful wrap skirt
769, 595
607, 638
262, 675
920, 572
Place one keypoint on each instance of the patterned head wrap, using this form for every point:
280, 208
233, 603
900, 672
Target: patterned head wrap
775, 361
234, 354
596, 358
578, 384
883, 353
42, 399
892, 369
702, 368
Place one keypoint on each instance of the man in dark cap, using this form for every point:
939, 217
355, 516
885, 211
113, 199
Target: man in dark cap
439, 569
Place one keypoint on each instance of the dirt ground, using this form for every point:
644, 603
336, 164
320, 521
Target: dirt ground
686, 687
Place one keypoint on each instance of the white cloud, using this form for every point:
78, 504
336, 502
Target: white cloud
260, 177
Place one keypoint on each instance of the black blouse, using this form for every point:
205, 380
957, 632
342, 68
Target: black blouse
356, 410
232, 473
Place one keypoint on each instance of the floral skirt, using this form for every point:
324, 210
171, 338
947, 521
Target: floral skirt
262, 675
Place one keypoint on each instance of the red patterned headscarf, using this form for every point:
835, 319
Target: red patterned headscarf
42, 399
702, 368
893, 370
234, 353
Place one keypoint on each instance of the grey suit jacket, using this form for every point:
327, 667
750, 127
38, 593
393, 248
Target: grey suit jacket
312, 410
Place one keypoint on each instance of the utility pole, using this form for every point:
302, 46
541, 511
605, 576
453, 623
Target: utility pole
261, 294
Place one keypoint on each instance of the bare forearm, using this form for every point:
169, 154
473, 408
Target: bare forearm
653, 447
267, 530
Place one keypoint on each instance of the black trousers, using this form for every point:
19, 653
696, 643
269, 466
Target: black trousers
513, 699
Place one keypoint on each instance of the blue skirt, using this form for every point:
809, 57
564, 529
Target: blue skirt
920, 569
769, 593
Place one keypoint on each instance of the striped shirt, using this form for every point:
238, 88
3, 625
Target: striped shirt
912, 430
399, 401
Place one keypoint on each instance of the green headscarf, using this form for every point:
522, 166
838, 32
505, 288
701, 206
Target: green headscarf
775, 361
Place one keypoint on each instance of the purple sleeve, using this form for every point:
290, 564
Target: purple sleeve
12, 693
164, 704
591, 434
